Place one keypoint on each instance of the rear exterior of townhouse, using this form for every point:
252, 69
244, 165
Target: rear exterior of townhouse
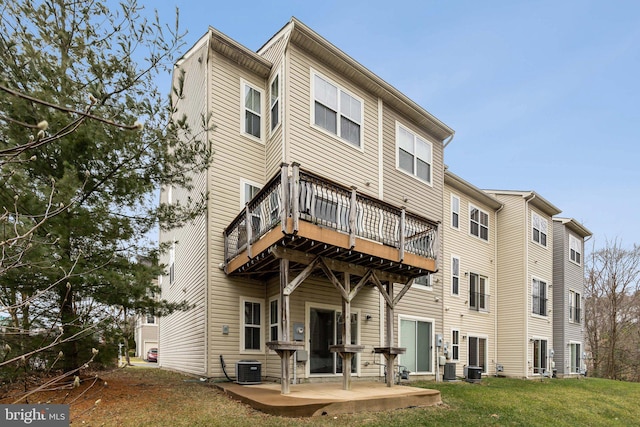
328, 199
568, 280
325, 197
469, 269
525, 287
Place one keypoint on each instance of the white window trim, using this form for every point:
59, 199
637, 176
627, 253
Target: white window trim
572, 300
480, 211
486, 347
275, 298
487, 288
427, 287
243, 85
307, 327
457, 345
533, 215
243, 194
549, 360
242, 325
453, 196
452, 276
547, 294
415, 134
172, 263
312, 111
402, 317
580, 368
169, 194
272, 129
579, 243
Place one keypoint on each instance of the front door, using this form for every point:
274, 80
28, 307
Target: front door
325, 330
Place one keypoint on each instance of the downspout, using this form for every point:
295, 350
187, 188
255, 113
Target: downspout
527, 199
208, 369
448, 140
495, 275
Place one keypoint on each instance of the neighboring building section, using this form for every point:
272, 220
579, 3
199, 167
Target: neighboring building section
525, 279
469, 269
568, 280
146, 334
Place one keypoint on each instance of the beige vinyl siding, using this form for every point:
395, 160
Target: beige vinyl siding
236, 157
512, 286
402, 189
274, 149
319, 151
476, 256
182, 334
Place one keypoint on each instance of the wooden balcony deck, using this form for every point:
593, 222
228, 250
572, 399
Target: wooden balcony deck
302, 216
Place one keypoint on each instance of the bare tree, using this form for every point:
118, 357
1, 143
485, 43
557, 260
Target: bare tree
612, 284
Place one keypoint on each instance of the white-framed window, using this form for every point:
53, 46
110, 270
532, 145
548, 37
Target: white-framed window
478, 223
336, 110
539, 229
423, 282
248, 191
478, 297
172, 262
539, 356
416, 335
455, 275
575, 354
539, 297
274, 319
477, 352
274, 98
414, 154
251, 120
455, 211
575, 307
251, 330
575, 248
455, 344
150, 319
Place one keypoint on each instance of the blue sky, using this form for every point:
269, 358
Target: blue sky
542, 95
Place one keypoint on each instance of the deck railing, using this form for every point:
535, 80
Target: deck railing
309, 197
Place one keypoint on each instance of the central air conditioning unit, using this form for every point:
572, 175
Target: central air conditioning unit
474, 374
449, 372
248, 372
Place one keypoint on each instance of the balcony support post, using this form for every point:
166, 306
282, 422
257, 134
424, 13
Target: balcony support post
284, 326
346, 334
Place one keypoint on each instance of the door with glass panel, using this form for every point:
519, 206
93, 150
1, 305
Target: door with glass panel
417, 337
325, 330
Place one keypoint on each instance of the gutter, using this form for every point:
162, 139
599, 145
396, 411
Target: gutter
448, 140
495, 275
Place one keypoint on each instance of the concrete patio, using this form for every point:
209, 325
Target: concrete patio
308, 400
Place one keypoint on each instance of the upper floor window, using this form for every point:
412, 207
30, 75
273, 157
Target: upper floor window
251, 110
337, 111
275, 101
478, 298
455, 275
455, 211
478, 223
539, 297
172, 260
414, 154
248, 191
575, 307
539, 229
575, 247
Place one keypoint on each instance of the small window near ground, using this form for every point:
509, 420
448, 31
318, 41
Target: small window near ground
252, 325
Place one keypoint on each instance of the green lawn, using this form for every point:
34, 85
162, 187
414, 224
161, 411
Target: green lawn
172, 399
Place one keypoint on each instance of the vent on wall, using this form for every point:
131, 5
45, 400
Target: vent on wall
248, 372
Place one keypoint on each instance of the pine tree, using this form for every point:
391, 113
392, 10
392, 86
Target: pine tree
86, 138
